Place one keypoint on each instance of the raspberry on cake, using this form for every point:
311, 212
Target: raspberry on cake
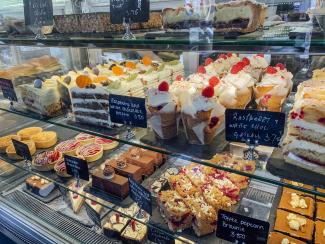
90, 152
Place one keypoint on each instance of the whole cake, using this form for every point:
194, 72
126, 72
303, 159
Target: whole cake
239, 16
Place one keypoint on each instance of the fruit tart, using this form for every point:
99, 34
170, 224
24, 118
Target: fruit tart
68, 147
106, 143
5, 141
90, 152
45, 139
27, 133
85, 138
61, 169
45, 161
11, 151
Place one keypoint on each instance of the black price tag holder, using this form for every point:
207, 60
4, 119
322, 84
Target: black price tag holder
22, 150
77, 167
130, 111
38, 13
8, 91
157, 236
141, 196
254, 128
237, 228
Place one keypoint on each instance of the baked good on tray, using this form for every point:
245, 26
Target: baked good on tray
107, 144
76, 196
39, 186
294, 225
5, 141
6, 169
61, 169
93, 203
85, 138
185, 17
27, 133
45, 161
279, 238
297, 203
320, 211
175, 211
68, 147
133, 156
114, 225
90, 152
304, 143
45, 139
182, 185
106, 180
239, 16
11, 151
319, 232
322, 199
121, 167
134, 232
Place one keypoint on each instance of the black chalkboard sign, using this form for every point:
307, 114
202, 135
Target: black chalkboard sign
237, 228
128, 110
77, 167
265, 127
140, 195
157, 236
129, 10
22, 150
38, 12
8, 89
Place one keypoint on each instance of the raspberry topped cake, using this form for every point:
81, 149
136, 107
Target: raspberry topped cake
90, 152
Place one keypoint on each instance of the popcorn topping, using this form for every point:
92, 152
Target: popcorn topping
297, 201
296, 222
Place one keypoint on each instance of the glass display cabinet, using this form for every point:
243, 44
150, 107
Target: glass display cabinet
187, 122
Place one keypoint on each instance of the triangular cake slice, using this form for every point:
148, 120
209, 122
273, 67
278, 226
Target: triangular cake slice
77, 199
94, 203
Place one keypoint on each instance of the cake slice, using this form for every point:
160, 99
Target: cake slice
204, 215
182, 185
39, 186
297, 203
93, 202
320, 214
294, 225
239, 16
135, 232
322, 199
115, 224
77, 199
279, 238
216, 198
319, 232
175, 211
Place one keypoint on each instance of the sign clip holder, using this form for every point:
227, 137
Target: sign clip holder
251, 153
128, 35
130, 134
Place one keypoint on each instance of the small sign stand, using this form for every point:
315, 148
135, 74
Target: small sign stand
251, 153
128, 35
130, 133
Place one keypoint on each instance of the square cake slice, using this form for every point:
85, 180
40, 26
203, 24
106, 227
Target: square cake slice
175, 210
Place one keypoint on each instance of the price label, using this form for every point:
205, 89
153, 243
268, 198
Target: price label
237, 228
134, 10
8, 90
38, 12
77, 167
157, 236
265, 127
22, 150
128, 110
140, 195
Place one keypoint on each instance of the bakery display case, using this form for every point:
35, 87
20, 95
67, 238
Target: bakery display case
207, 127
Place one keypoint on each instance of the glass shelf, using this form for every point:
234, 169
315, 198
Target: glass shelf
259, 41
260, 175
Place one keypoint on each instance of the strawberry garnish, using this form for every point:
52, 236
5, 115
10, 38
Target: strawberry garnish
271, 70
236, 68
260, 55
93, 202
229, 55
201, 70
214, 81
223, 56
293, 115
163, 86
322, 121
246, 61
179, 77
213, 122
117, 216
208, 92
302, 115
280, 66
208, 61
133, 225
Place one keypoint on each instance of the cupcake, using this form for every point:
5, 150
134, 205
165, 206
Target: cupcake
240, 84
273, 89
163, 111
202, 115
256, 66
